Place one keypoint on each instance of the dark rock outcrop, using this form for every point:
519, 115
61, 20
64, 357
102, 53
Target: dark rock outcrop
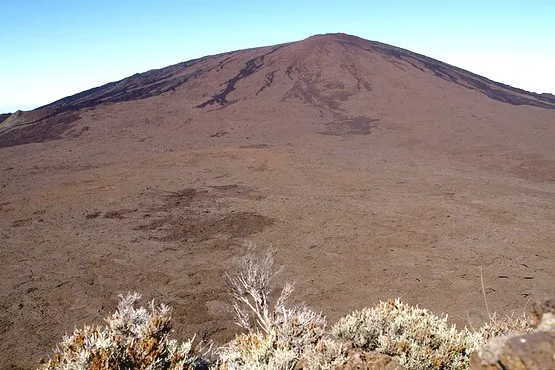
4, 116
532, 351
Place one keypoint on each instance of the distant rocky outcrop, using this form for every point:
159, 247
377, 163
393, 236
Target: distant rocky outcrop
529, 351
20, 117
42, 124
4, 116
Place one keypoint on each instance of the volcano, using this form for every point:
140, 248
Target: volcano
339, 77
373, 171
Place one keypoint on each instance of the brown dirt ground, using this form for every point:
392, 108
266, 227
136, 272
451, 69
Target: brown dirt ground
404, 185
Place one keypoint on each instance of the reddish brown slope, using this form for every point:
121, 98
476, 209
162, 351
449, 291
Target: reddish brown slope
324, 71
373, 171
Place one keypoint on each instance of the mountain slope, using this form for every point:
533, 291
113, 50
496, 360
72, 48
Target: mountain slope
373, 171
213, 82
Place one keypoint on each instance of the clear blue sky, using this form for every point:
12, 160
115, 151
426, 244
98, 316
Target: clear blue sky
53, 48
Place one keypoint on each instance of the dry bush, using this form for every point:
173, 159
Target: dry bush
284, 345
511, 324
417, 338
278, 336
249, 287
134, 338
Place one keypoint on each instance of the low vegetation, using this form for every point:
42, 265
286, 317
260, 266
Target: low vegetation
134, 338
276, 335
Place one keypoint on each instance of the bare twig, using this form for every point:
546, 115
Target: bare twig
249, 287
484, 293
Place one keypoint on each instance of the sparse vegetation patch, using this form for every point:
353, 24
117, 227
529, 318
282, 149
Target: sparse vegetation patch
276, 335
